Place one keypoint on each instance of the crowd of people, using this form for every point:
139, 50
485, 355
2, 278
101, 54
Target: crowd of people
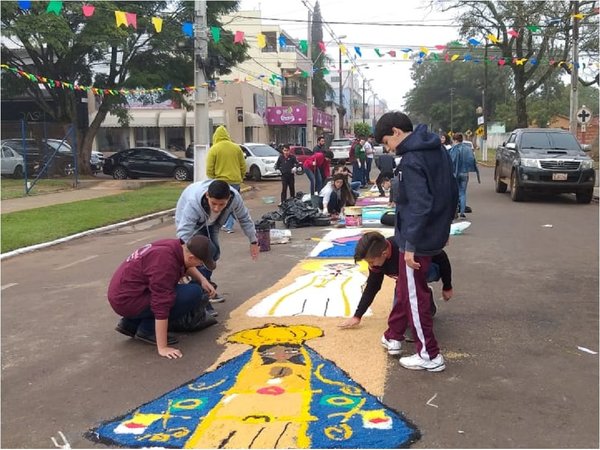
426, 178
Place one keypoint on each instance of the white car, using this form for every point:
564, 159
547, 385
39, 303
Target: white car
260, 160
341, 149
11, 162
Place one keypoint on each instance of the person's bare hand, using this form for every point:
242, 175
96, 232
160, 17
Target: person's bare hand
447, 295
409, 258
352, 322
209, 288
169, 352
254, 250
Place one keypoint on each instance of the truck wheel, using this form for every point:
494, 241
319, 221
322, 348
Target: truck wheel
584, 196
516, 192
500, 186
255, 173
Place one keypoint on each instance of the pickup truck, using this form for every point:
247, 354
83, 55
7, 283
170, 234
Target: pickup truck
544, 160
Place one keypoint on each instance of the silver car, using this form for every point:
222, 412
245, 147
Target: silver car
11, 162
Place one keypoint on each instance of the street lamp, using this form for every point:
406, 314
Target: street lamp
340, 83
452, 110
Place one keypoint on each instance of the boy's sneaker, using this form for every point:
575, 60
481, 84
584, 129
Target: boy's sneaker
126, 327
151, 338
393, 346
432, 303
211, 311
415, 362
217, 299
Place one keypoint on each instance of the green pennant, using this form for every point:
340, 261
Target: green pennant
378, 52
216, 34
325, 71
304, 74
304, 46
54, 7
533, 28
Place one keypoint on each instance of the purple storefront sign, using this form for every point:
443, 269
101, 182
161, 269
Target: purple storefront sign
296, 115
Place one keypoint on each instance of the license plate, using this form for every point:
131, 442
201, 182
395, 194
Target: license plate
559, 177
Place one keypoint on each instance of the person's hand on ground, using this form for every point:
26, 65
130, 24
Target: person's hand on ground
254, 250
170, 352
352, 322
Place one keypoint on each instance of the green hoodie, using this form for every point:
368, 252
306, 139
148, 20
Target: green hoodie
225, 160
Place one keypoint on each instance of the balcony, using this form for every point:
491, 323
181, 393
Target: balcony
293, 95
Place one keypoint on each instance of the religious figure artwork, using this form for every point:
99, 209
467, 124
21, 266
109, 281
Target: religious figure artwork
278, 394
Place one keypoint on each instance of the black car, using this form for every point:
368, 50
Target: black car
42, 155
148, 162
544, 160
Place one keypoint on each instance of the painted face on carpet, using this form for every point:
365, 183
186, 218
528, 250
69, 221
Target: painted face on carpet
279, 394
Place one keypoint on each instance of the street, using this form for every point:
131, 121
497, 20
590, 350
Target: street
525, 279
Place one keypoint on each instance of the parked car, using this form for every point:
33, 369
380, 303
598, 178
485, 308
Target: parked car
260, 160
148, 162
11, 162
341, 149
544, 160
40, 154
301, 153
96, 158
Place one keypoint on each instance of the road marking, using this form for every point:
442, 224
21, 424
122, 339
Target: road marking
76, 262
6, 286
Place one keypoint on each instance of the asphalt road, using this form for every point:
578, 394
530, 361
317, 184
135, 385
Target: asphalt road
526, 296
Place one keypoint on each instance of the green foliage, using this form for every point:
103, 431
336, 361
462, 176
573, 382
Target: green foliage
24, 228
320, 87
362, 129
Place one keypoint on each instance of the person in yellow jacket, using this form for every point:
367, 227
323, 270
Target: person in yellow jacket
225, 161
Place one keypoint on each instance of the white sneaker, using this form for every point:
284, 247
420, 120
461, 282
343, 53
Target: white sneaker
415, 362
393, 346
217, 299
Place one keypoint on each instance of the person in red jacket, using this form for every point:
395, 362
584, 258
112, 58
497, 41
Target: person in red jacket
318, 169
145, 289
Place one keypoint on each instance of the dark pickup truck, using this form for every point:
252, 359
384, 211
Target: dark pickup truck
544, 160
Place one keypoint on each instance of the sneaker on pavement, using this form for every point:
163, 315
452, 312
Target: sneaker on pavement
432, 303
126, 327
227, 230
415, 362
218, 298
393, 346
211, 311
151, 338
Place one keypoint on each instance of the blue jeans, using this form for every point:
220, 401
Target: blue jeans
187, 297
356, 172
463, 180
355, 186
315, 180
231, 219
369, 164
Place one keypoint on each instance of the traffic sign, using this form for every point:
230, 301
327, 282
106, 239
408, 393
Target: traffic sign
479, 131
584, 115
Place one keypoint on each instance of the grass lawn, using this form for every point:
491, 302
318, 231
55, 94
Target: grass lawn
12, 188
24, 228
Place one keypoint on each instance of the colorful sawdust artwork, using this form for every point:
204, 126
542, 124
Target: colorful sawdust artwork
332, 288
366, 201
371, 215
279, 394
341, 243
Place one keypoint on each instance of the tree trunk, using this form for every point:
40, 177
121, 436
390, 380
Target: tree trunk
521, 99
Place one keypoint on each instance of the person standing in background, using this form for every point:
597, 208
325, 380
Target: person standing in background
286, 163
225, 161
463, 162
370, 155
320, 147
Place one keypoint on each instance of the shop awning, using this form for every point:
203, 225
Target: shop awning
138, 119
217, 116
253, 120
175, 118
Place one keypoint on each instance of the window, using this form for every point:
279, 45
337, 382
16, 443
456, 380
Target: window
271, 41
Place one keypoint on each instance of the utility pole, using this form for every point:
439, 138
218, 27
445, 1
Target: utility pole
363, 102
309, 95
340, 82
452, 110
374, 118
485, 87
201, 138
574, 72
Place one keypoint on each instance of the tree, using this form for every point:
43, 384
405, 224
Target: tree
71, 47
320, 88
525, 31
362, 129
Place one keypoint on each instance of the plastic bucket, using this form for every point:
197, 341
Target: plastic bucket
263, 238
353, 215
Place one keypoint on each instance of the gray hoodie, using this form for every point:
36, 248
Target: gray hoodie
192, 212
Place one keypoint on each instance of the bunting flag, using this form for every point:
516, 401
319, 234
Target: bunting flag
239, 37
439, 47
578, 16
216, 34
25, 4
157, 22
501, 62
261, 40
378, 52
88, 10
120, 18
131, 19
282, 41
533, 28
358, 51
54, 7
467, 57
392, 53
474, 42
322, 46
513, 33
493, 38
188, 29
304, 46
424, 50
455, 57
343, 49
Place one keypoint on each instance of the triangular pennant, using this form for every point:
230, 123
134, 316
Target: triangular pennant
513, 33
322, 46
304, 46
358, 51
131, 19
343, 49
282, 41
120, 18
216, 34
493, 38
474, 42
392, 53
157, 22
88, 10
25, 4
533, 28
54, 7
261, 40
455, 57
188, 29
238, 38
378, 52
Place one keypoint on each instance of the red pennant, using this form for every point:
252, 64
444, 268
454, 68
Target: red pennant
131, 19
88, 10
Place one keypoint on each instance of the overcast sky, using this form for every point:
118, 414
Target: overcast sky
391, 76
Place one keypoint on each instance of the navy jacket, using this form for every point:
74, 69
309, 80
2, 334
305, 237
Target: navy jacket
427, 193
